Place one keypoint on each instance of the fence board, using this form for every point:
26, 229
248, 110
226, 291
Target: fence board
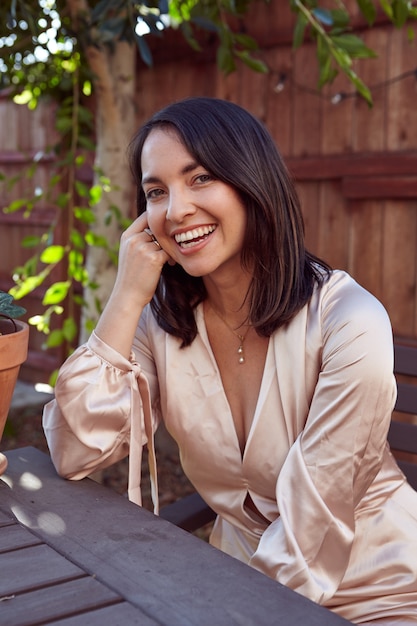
366, 245
307, 136
401, 95
399, 265
370, 124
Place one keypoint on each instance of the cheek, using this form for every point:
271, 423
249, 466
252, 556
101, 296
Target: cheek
156, 219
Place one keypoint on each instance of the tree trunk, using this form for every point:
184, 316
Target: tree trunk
115, 124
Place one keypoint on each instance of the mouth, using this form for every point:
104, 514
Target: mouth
191, 238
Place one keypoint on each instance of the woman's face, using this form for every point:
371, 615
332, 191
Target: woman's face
198, 220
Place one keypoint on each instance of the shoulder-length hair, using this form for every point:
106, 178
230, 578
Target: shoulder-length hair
236, 148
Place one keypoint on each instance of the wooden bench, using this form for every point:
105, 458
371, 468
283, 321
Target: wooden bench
191, 512
403, 434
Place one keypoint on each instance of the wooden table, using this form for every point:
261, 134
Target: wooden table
77, 553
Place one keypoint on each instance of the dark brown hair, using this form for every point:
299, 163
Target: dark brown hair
237, 149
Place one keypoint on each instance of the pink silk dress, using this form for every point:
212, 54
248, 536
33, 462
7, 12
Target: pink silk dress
342, 520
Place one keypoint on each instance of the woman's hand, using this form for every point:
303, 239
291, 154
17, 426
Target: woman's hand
141, 260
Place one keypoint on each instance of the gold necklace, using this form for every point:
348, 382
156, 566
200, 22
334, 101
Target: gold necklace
241, 349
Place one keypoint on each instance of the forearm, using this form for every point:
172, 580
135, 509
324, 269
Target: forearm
118, 323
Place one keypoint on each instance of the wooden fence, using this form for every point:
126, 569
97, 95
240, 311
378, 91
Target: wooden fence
355, 167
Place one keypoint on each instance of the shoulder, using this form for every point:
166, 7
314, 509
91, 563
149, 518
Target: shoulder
341, 297
349, 315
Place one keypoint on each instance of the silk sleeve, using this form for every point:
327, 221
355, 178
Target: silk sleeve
98, 415
340, 450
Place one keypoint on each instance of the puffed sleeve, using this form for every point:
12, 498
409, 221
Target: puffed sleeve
340, 450
100, 414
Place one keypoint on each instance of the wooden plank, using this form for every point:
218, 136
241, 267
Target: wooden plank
400, 266
407, 403
401, 95
58, 601
279, 110
405, 359
366, 245
9, 157
123, 614
333, 166
380, 187
33, 567
370, 124
172, 576
6, 519
309, 194
337, 118
14, 536
252, 90
306, 105
334, 227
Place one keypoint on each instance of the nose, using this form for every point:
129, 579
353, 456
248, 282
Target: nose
180, 206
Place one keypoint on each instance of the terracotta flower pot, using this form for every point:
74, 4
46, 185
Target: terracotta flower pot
13, 352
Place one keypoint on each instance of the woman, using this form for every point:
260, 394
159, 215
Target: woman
273, 373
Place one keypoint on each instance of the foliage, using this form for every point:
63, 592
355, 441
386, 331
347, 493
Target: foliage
337, 46
42, 41
75, 203
8, 308
44, 48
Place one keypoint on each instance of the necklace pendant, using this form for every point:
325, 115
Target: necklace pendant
241, 354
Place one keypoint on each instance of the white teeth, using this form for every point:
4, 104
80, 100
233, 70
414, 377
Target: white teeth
196, 233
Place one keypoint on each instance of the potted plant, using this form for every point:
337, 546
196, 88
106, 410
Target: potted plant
14, 339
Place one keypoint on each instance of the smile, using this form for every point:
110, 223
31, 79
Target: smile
193, 237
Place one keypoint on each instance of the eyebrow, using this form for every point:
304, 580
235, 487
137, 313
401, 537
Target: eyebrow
190, 167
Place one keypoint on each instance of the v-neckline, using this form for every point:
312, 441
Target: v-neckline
265, 382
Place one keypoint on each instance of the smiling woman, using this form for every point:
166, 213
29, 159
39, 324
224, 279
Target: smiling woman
272, 372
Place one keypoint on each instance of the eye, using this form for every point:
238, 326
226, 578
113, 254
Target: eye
152, 194
203, 178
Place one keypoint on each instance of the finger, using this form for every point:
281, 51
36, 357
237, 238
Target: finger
139, 224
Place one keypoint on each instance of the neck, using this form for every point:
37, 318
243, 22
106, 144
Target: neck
229, 301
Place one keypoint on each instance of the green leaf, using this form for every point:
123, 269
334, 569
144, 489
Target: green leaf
299, 30
77, 239
15, 205
62, 200
31, 241
55, 339
323, 50
69, 329
361, 88
340, 18
96, 240
368, 10
96, 193
225, 59
56, 293
7, 306
254, 64
327, 72
86, 216
52, 254
27, 286
354, 46
387, 8
53, 378
247, 43
82, 189
400, 12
